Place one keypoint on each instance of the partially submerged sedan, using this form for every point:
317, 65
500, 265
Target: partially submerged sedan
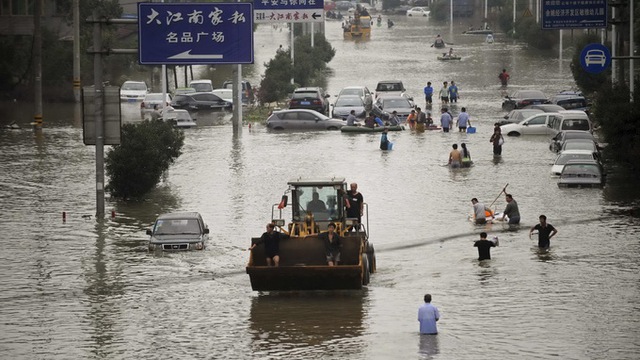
302, 119
384, 106
582, 173
345, 103
178, 232
570, 155
522, 98
557, 142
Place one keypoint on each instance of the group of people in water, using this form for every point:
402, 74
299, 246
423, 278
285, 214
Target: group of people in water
448, 93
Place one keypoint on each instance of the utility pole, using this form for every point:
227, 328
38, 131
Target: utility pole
37, 63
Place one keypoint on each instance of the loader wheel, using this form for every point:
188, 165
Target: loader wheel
365, 270
371, 255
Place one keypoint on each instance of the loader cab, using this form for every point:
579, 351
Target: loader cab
324, 202
316, 203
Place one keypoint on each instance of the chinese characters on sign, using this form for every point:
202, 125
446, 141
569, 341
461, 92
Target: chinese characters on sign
279, 11
571, 14
196, 33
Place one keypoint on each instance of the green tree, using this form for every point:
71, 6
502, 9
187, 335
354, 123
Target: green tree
276, 83
309, 68
311, 62
619, 121
146, 151
440, 10
390, 4
531, 32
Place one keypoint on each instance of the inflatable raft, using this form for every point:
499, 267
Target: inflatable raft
492, 218
449, 57
364, 129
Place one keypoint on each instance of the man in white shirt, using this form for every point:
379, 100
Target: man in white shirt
479, 212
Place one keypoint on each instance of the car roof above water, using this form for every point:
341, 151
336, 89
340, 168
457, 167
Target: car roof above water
179, 215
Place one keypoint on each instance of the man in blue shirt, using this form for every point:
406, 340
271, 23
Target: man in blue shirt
453, 92
445, 119
428, 94
427, 316
463, 120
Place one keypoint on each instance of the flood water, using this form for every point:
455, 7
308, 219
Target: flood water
88, 289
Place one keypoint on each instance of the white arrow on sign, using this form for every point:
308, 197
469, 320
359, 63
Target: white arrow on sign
187, 55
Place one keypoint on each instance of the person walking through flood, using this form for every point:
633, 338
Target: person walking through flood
385, 144
545, 232
428, 94
466, 155
455, 158
511, 210
463, 120
497, 140
411, 120
428, 315
484, 246
444, 93
504, 78
479, 212
445, 119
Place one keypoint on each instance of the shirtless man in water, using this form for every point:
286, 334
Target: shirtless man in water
455, 158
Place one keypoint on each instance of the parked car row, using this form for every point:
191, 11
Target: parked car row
564, 117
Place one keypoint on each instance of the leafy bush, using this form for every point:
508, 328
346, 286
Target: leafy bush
146, 151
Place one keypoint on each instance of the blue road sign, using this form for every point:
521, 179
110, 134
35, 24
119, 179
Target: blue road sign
279, 11
195, 33
574, 14
595, 58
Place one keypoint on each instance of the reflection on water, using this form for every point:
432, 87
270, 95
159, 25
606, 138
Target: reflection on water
429, 346
307, 324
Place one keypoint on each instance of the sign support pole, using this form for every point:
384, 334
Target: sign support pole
560, 51
514, 17
313, 33
292, 46
614, 48
99, 121
631, 46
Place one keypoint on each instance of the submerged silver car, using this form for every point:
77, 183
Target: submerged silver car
345, 103
302, 119
582, 173
178, 232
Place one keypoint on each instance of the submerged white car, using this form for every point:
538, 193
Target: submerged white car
418, 11
133, 91
180, 119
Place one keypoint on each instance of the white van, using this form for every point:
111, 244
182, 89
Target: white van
569, 120
201, 85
